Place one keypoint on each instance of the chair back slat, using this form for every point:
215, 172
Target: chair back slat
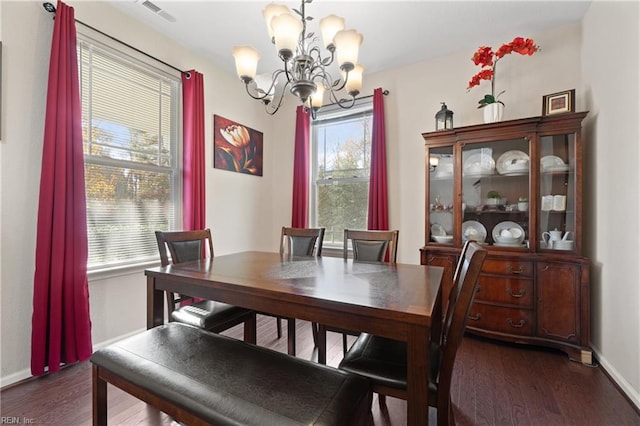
371, 246
184, 246
301, 241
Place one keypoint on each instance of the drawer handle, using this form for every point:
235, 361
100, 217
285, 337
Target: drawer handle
476, 317
519, 325
515, 271
518, 295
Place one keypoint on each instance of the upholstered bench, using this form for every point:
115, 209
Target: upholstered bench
198, 377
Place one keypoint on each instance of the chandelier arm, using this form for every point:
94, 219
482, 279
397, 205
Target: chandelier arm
343, 103
260, 96
287, 72
273, 107
329, 59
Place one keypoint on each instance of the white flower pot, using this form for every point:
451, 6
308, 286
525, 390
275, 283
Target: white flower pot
493, 112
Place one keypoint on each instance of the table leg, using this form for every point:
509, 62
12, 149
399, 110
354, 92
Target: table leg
155, 304
417, 376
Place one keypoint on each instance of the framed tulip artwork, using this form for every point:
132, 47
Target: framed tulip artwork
236, 147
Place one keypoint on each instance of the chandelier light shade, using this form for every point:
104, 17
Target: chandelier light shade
354, 83
246, 62
347, 45
329, 26
305, 71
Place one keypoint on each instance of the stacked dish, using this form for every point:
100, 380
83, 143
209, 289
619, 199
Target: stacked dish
508, 234
439, 234
479, 165
552, 163
444, 168
513, 163
473, 230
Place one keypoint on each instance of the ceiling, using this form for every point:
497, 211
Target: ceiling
396, 33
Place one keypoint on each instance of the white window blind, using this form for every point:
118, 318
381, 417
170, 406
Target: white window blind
130, 124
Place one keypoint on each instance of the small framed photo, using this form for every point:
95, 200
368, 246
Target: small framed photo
560, 102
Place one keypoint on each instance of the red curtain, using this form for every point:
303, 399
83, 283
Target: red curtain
378, 213
300, 205
61, 325
193, 193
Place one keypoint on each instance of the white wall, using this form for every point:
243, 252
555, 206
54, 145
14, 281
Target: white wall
246, 212
611, 74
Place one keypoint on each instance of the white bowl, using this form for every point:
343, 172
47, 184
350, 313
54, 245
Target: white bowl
442, 238
563, 245
495, 201
508, 240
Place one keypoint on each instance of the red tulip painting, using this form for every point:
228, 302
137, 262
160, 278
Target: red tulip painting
236, 147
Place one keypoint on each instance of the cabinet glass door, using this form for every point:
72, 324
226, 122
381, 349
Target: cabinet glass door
495, 192
557, 192
441, 185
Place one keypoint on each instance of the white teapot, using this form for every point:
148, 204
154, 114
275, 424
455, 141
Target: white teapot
552, 236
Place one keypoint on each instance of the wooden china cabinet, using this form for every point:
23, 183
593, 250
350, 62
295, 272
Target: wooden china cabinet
516, 187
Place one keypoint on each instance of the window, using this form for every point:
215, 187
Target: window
130, 129
340, 161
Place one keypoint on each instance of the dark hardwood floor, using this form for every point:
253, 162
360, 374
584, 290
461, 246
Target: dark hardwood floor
494, 384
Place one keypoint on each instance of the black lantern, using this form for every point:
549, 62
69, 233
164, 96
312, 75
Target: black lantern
444, 118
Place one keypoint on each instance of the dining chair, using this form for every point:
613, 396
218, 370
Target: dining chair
299, 242
186, 246
383, 361
367, 246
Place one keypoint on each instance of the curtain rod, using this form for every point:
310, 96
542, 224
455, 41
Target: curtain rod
384, 92
49, 7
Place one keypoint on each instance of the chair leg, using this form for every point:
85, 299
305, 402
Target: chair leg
314, 332
250, 333
322, 344
279, 327
344, 344
382, 400
291, 336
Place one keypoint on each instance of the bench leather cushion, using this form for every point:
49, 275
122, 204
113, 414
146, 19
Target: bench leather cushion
226, 381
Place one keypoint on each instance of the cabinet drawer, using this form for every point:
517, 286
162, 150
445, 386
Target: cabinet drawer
508, 267
501, 319
512, 291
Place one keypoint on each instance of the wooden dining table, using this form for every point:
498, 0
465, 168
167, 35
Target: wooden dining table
390, 300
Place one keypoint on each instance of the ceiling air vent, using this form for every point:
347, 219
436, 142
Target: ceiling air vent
158, 11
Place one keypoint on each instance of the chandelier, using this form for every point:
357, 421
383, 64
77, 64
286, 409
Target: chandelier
304, 71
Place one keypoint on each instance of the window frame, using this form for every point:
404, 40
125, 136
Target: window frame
333, 112
129, 57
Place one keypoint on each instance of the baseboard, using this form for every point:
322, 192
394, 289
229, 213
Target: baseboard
629, 392
25, 374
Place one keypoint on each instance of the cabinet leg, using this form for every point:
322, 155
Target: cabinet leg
586, 357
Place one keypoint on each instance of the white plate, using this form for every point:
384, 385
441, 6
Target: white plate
512, 226
562, 168
513, 162
473, 230
438, 230
551, 161
479, 164
479, 174
509, 245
